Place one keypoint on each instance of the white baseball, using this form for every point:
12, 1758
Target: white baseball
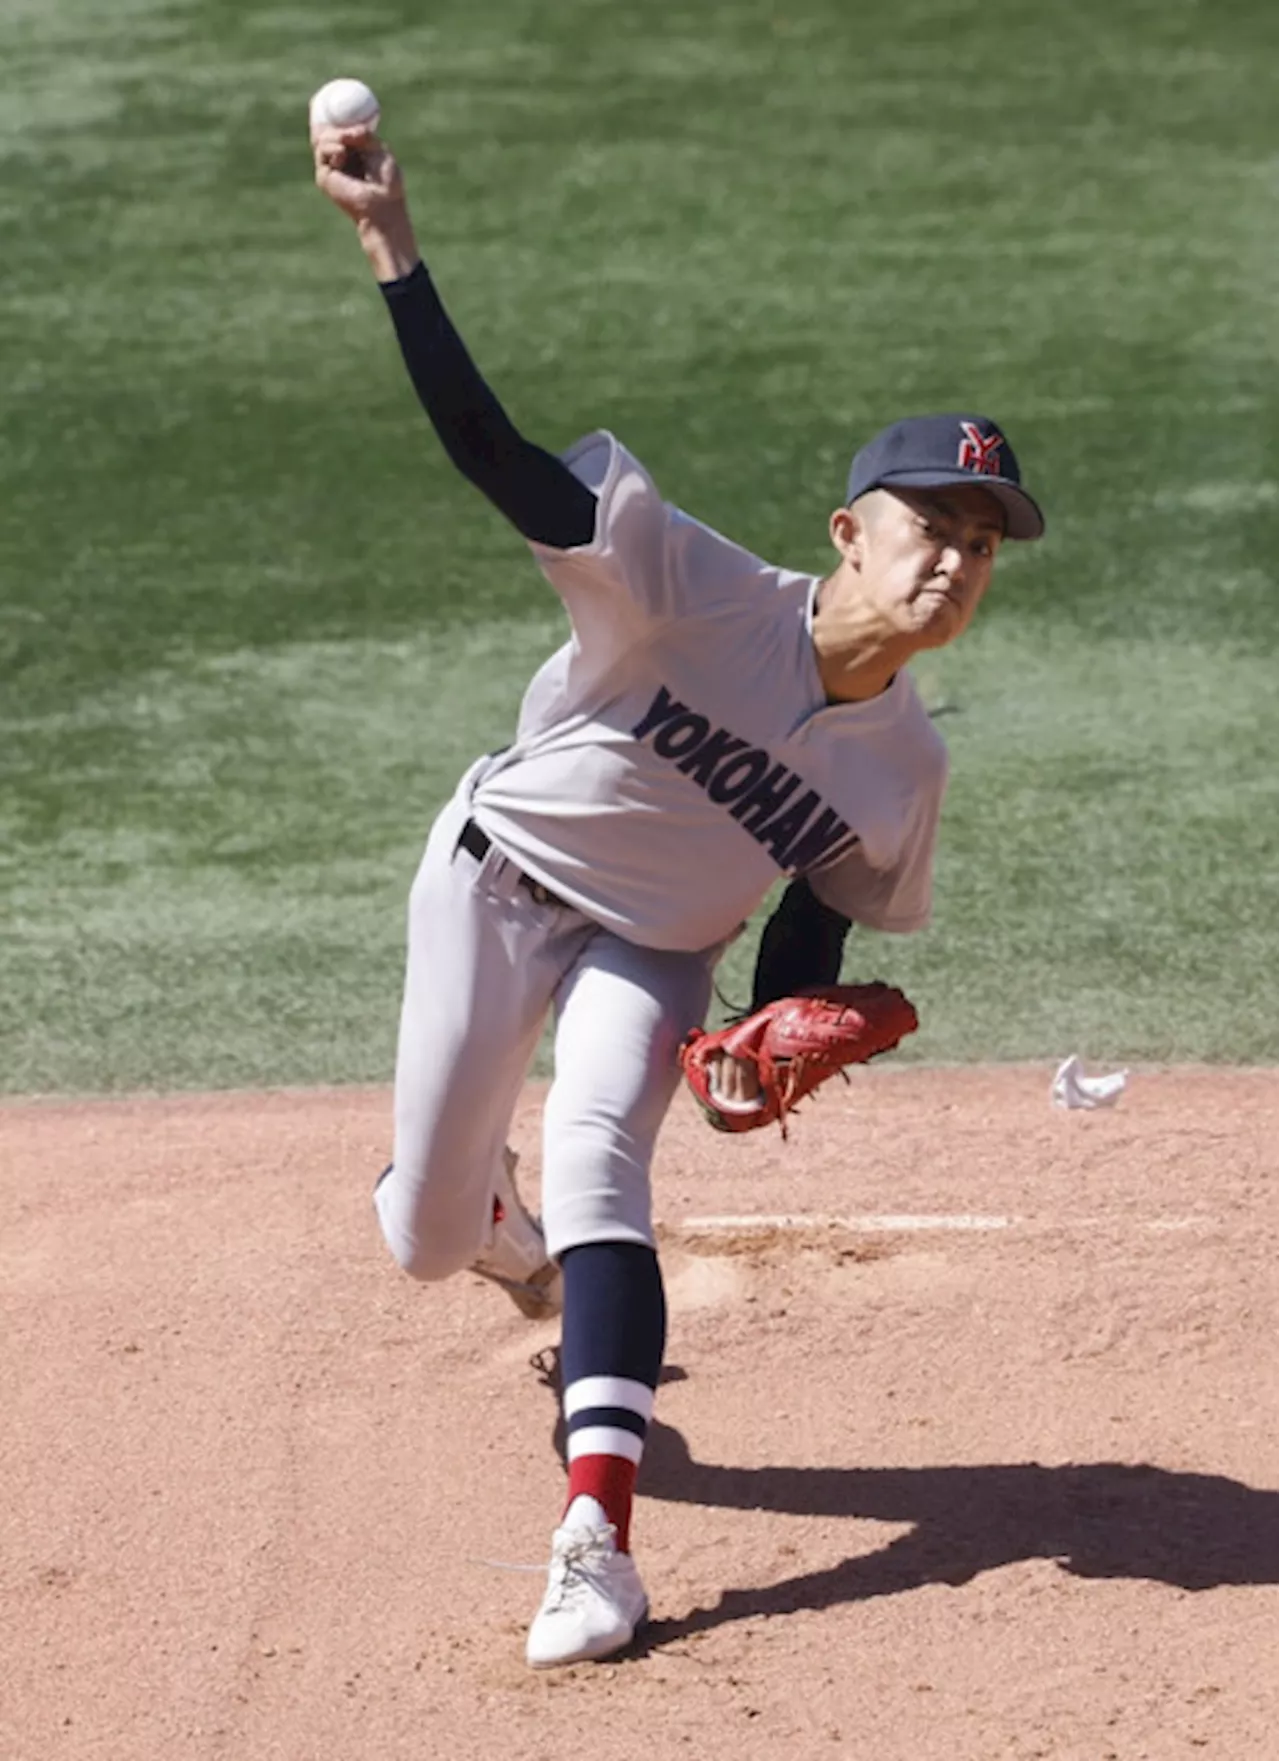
345, 103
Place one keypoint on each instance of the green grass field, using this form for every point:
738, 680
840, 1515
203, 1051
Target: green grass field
252, 626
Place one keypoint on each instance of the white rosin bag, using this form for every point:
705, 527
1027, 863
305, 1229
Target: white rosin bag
1072, 1088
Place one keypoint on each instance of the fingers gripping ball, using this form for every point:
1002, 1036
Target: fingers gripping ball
796, 1044
345, 103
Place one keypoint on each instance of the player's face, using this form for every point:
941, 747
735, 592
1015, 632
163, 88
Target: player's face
927, 557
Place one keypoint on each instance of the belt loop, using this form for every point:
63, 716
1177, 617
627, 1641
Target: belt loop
478, 843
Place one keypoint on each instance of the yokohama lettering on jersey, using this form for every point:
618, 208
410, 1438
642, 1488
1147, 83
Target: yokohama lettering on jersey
678, 755
802, 835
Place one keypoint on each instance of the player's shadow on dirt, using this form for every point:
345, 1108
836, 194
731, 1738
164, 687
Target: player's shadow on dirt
1094, 1519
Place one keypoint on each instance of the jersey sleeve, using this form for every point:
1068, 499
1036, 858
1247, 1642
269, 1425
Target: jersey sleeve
622, 572
897, 899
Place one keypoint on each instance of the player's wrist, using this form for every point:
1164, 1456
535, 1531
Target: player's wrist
389, 245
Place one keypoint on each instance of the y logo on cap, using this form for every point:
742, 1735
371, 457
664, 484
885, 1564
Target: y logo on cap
979, 452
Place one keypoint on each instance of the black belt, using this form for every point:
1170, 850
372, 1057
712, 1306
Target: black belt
478, 844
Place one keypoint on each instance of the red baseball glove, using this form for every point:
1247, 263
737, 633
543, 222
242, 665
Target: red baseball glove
796, 1044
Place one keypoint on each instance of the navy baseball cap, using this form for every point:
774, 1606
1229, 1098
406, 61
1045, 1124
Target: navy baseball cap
929, 452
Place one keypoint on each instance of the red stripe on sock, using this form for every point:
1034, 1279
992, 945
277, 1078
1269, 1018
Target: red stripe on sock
610, 1479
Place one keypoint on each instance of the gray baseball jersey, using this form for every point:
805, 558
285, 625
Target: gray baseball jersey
678, 754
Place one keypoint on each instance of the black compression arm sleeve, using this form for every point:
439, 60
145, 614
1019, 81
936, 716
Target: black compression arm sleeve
536, 491
802, 944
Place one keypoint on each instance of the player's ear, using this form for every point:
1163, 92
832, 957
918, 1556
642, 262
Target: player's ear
848, 534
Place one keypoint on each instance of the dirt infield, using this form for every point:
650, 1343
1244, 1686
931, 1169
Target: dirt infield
965, 1453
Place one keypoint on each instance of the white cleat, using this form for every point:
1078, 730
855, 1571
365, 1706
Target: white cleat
594, 1601
516, 1256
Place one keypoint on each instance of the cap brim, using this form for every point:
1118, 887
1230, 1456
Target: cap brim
1023, 518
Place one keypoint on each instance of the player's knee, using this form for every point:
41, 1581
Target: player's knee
427, 1258
423, 1260
426, 1254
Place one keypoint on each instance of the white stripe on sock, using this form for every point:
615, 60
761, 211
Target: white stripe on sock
604, 1440
608, 1391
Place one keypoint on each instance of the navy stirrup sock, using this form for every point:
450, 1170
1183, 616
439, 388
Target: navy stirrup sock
615, 1331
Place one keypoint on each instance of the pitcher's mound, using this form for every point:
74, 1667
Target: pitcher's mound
965, 1446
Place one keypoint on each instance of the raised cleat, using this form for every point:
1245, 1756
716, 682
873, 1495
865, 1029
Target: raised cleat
516, 1255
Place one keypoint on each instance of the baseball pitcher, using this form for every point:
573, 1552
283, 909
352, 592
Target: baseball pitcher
713, 722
